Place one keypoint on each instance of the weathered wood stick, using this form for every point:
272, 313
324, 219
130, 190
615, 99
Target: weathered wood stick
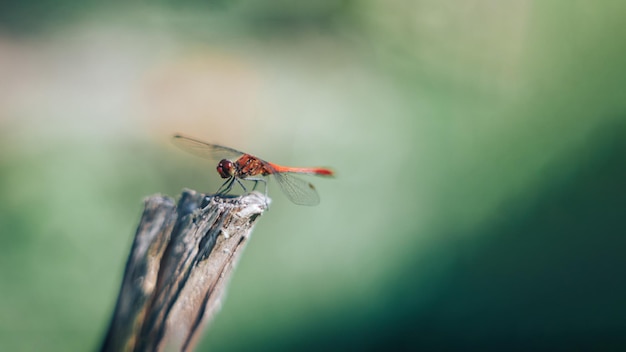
178, 268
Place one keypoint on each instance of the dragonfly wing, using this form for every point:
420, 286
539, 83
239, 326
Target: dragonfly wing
297, 190
204, 150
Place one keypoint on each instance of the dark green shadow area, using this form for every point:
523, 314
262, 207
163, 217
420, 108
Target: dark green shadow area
548, 274
273, 17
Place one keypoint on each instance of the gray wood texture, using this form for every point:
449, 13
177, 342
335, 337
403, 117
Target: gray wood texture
176, 274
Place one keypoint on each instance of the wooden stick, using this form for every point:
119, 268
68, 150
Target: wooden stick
178, 268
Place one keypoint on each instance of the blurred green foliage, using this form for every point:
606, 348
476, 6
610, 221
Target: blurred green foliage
479, 146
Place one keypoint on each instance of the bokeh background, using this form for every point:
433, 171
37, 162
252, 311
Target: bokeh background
480, 200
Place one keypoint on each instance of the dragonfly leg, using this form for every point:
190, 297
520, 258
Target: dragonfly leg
256, 181
226, 186
241, 184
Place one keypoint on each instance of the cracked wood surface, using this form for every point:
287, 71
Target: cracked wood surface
178, 268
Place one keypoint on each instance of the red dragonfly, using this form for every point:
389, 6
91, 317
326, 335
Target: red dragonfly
236, 166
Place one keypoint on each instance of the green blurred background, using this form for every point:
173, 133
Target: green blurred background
481, 192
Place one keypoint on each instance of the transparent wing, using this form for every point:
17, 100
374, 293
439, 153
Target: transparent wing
297, 190
204, 150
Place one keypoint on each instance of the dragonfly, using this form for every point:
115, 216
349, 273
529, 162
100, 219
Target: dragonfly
235, 166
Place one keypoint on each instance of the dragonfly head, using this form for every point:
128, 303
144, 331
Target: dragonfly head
226, 168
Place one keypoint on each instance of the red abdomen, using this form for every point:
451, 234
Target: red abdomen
319, 171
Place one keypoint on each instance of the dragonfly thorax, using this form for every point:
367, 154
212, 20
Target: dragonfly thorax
226, 168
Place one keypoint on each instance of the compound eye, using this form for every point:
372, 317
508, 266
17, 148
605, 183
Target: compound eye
225, 168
